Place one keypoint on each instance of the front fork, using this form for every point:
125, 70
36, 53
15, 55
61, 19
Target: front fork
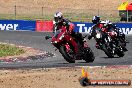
73, 43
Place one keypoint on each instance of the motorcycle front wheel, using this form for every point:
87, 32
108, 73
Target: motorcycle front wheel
69, 57
120, 52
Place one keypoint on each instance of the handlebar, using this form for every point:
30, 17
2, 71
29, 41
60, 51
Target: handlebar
47, 37
85, 36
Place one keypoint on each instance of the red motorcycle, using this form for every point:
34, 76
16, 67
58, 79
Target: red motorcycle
69, 47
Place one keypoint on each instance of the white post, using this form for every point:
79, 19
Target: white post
127, 16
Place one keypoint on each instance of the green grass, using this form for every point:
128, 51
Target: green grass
71, 16
10, 50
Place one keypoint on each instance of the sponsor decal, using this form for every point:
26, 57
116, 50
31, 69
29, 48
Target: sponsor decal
8, 26
126, 30
17, 25
86, 27
83, 28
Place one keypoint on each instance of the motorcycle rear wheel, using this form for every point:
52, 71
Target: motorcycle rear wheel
65, 55
110, 55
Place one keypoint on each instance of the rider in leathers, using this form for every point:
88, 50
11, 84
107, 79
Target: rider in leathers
59, 21
97, 26
107, 25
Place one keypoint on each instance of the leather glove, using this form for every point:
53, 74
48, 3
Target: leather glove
47, 37
89, 37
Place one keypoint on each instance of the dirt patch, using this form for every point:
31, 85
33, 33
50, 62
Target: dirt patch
60, 77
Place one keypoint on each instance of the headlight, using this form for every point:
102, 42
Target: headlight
54, 42
98, 35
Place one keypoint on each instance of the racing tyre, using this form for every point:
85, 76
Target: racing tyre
120, 52
110, 55
66, 56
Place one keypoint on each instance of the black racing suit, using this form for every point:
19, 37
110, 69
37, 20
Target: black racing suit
116, 29
109, 27
94, 28
120, 35
65, 22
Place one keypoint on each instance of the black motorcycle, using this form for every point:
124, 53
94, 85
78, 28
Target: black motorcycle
109, 43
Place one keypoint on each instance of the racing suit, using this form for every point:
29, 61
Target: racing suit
95, 27
116, 29
108, 26
65, 22
120, 35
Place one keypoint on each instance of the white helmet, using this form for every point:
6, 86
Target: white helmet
106, 22
58, 17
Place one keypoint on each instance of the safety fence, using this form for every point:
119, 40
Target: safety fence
47, 26
46, 13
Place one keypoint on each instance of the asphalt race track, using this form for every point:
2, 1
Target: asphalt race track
37, 40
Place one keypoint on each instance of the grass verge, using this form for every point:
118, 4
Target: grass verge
10, 50
84, 17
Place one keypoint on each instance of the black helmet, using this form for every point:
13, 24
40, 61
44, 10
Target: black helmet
58, 17
96, 19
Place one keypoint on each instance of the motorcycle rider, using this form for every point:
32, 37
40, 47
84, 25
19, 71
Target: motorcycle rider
97, 25
110, 26
105, 25
60, 21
